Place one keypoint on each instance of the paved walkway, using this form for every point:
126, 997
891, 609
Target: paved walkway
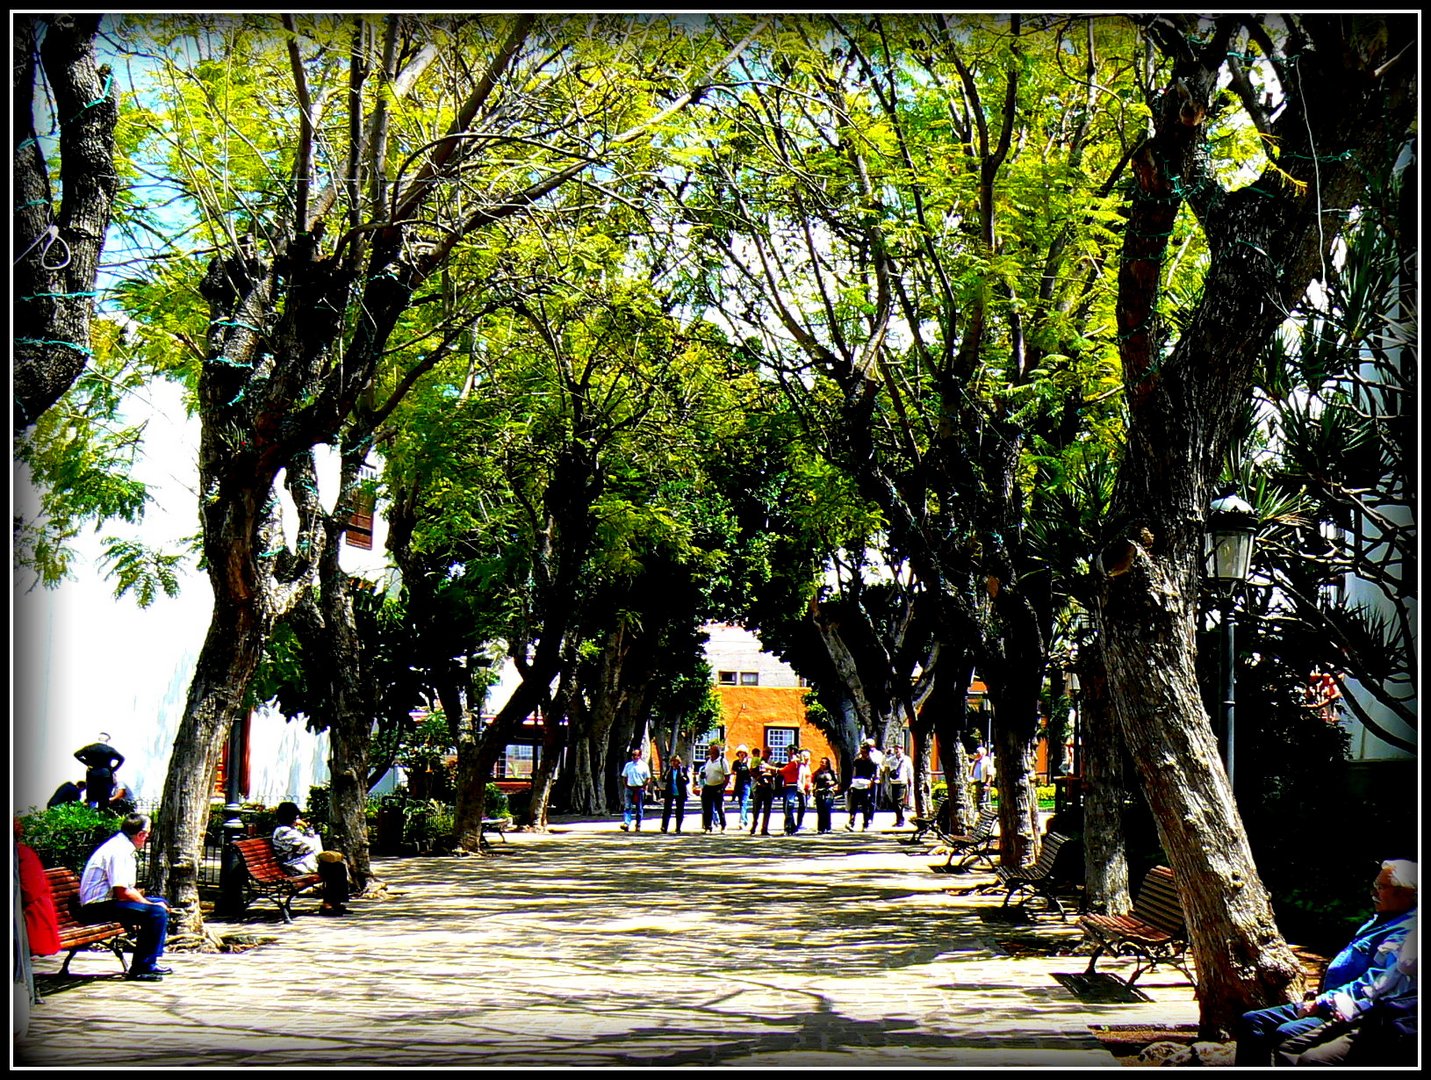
592, 947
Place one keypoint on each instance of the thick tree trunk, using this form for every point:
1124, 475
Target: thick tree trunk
55, 295
228, 658
588, 795
1018, 798
1105, 857
1348, 100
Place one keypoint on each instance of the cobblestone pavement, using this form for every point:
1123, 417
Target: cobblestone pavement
591, 947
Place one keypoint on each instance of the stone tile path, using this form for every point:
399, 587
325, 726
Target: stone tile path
591, 947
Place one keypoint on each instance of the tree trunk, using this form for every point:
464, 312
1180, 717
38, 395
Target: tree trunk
588, 796
1018, 800
1348, 101
55, 296
228, 658
1105, 858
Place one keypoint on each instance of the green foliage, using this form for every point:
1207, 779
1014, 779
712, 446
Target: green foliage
142, 569
80, 456
66, 835
496, 802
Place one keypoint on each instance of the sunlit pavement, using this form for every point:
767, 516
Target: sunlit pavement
592, 947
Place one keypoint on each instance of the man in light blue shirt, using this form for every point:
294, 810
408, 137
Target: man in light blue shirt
635, 776
1353, 971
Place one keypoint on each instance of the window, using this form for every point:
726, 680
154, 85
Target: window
701, 746
750, 678
359, 532
725, 678
516, 762
780, 741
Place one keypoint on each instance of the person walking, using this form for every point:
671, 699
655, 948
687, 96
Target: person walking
794, 775
740, 782
826, 783
635, 775
714, 774
981, 771
875, 790
860, 793
762, 782
899, 775
107, 894
807, 789
100, 760
673, 792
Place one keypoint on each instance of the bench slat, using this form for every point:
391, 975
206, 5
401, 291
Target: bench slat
1154, 932
74, 934
268, 879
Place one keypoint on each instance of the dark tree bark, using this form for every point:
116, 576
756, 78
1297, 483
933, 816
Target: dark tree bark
1348, 100
56, 254
1105, 858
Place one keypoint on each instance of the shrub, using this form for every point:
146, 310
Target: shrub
67, 834
496, 803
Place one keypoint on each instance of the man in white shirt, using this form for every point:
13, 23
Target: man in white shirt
875, 788
635, 776
981, 771
899, 776
107, 894
714, 774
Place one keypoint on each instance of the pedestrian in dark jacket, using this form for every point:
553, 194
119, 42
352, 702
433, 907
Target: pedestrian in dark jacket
674, 781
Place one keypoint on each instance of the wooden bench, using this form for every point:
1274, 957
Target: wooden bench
976, 846
74, 934
268, 879
935, 822
1154, 932
1037, 879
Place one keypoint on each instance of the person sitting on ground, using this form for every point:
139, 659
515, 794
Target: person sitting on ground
107, 894
1352, 971
42, 924
68, 792
299, 850
1378, 1029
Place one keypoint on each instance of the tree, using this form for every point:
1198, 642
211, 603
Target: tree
1340, 100
57, 251
333, 226
922, 282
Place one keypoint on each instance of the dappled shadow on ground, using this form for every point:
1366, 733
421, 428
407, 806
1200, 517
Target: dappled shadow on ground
602, 949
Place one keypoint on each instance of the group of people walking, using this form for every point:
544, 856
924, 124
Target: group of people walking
755, 781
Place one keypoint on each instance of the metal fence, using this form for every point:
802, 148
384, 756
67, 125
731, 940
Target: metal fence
211, 858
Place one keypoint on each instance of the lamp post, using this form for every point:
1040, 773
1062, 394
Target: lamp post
1231, 529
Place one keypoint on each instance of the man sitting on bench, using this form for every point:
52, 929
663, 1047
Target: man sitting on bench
298, 850
107, 894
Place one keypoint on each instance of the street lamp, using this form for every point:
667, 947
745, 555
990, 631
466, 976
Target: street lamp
1231, 528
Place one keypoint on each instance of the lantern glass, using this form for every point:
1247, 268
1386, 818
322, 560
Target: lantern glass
1231, 528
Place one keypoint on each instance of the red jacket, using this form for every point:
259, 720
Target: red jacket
42, 925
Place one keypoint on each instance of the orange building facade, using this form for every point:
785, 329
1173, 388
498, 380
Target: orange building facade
770, 717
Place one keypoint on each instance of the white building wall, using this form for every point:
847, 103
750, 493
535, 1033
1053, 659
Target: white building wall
733, 648
83, 662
